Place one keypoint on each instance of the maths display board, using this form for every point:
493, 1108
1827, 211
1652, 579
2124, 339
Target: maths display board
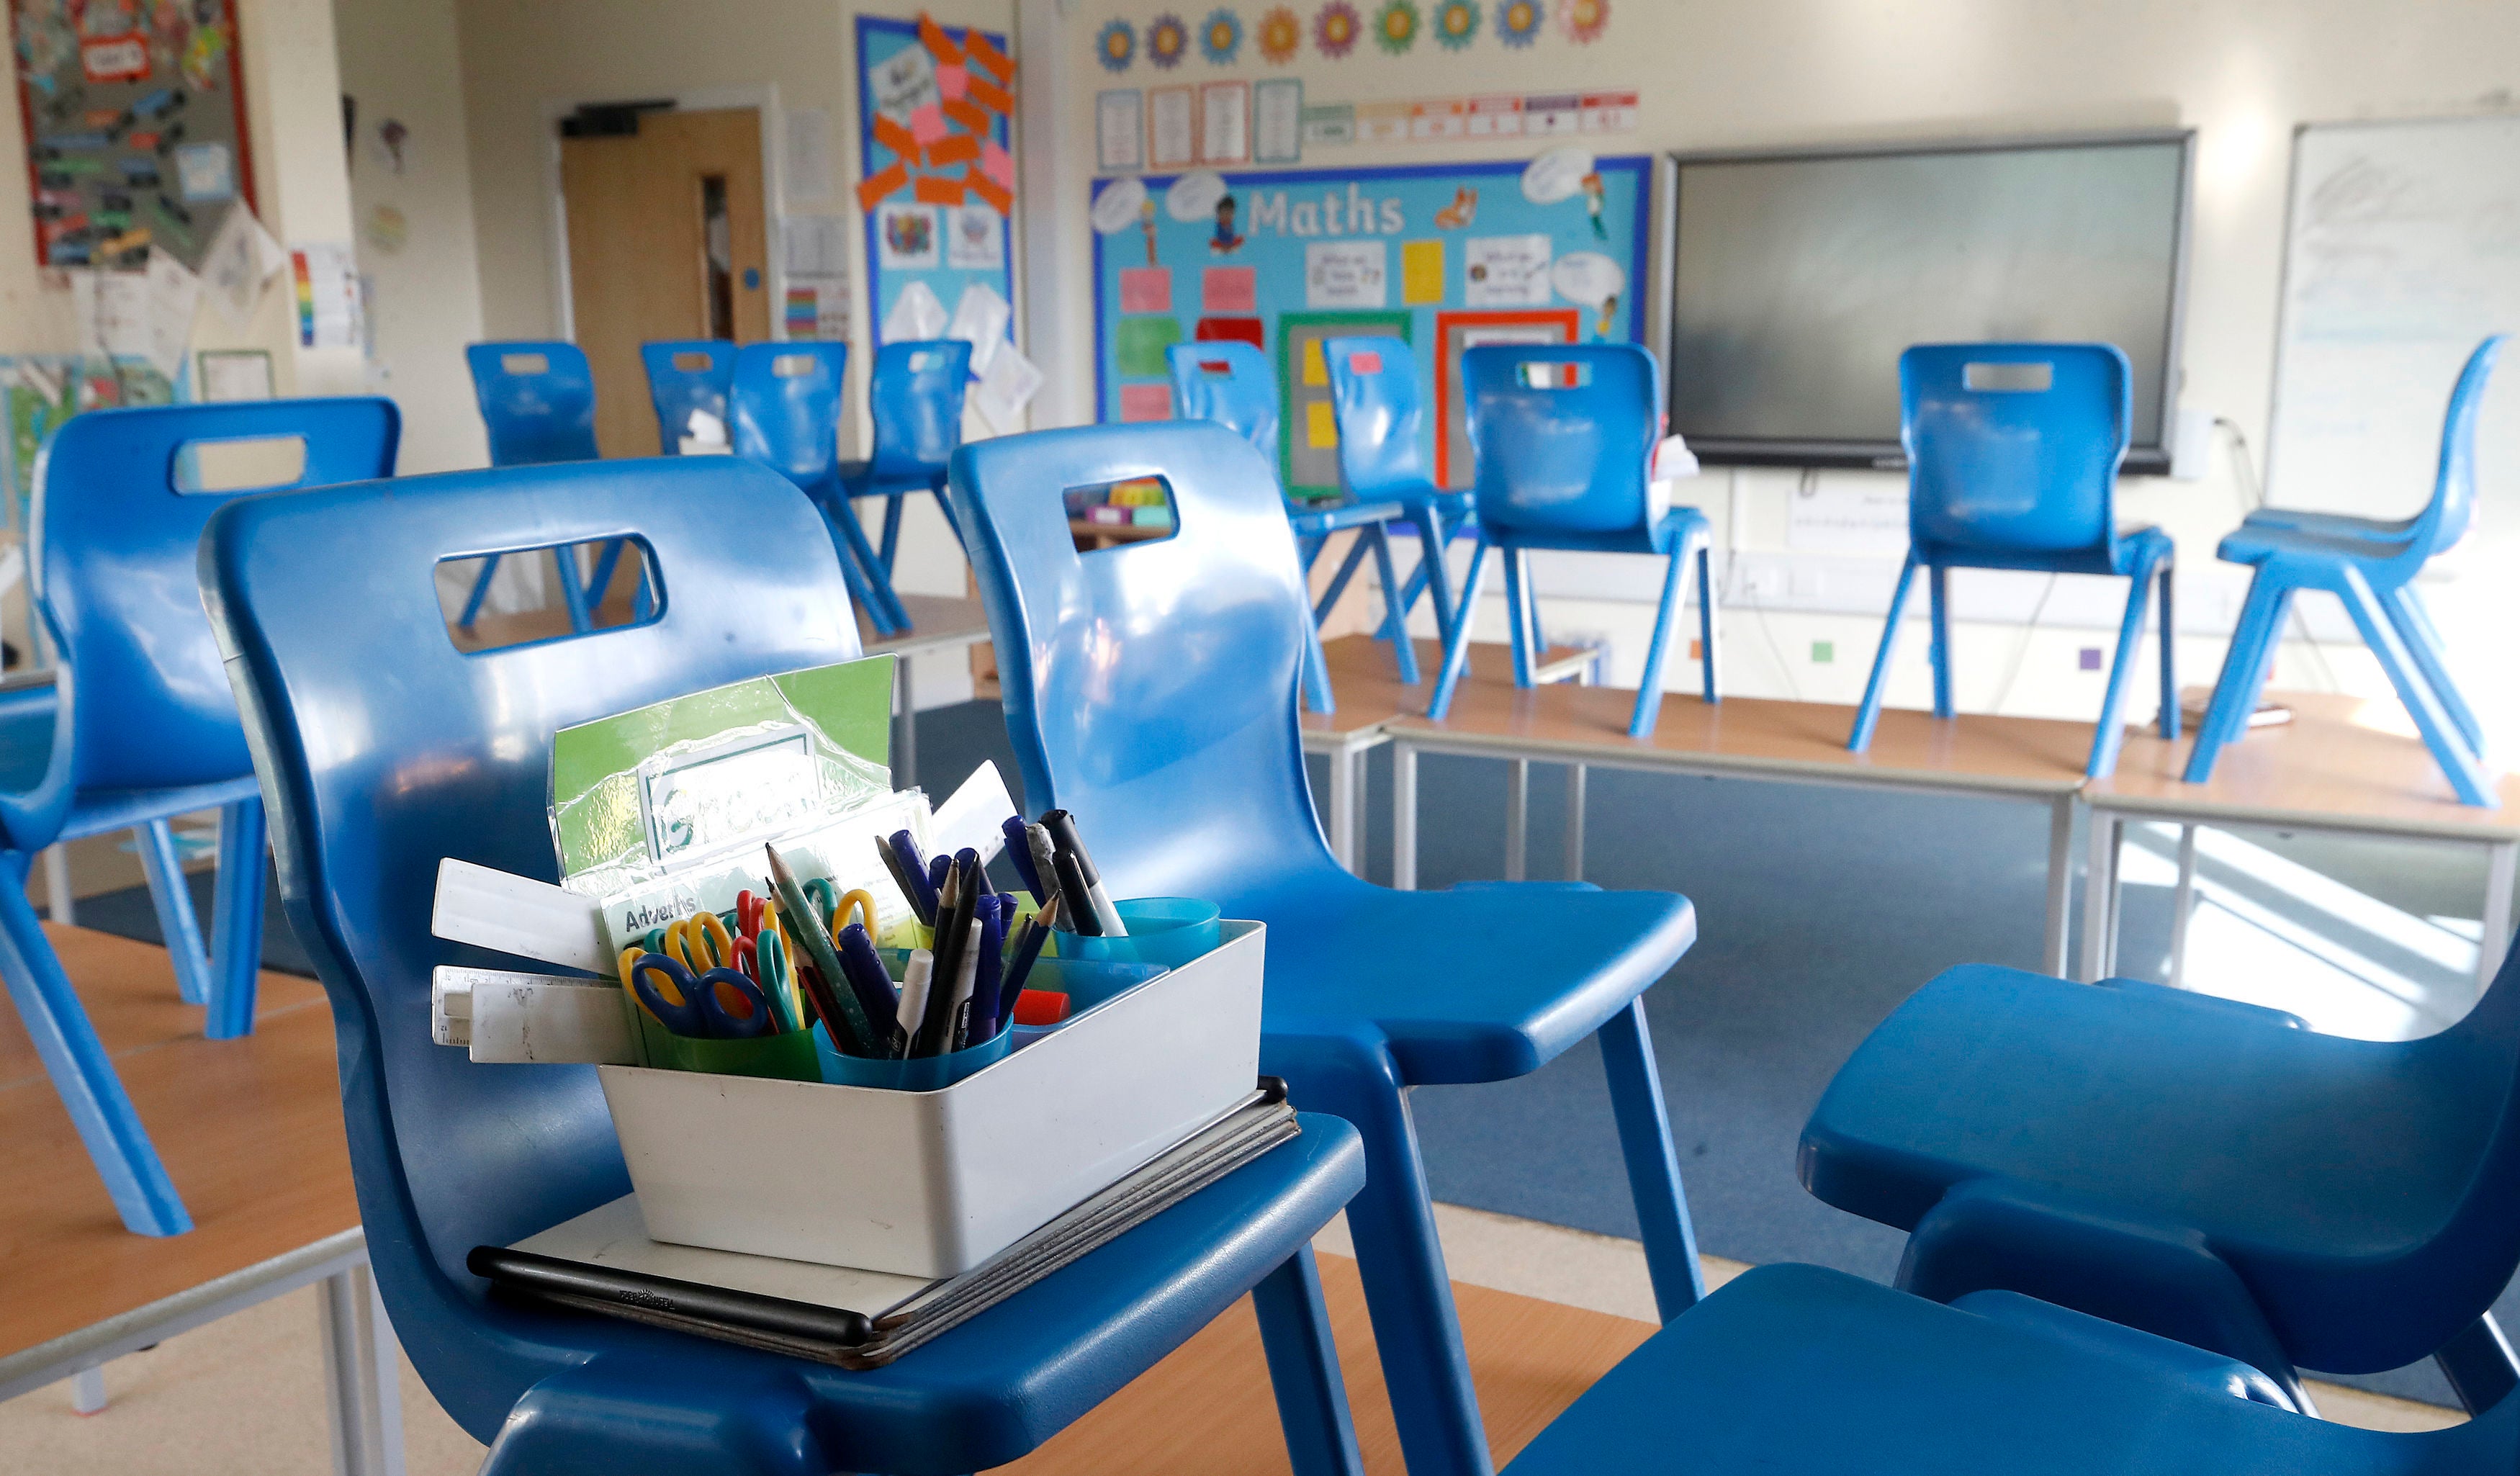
935, 104
1445, 256
134, 118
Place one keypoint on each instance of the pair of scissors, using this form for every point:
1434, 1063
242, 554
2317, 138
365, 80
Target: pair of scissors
701, 1006
859, 901
751, 911
701, 942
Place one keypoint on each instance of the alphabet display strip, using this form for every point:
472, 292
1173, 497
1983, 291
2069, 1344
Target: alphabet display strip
1446, 257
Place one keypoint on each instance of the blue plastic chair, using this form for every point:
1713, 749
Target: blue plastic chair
537, 399
142, 729
1566, 439
1379, 403
785, 413
677, 392
2205, 1169
386, 750
2369, 564
2012, 464
1231, 383
1791, 1370
1152, 688
915, 398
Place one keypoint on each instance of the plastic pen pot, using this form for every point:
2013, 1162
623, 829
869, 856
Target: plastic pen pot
1166, 930
920, 1073
782, 1057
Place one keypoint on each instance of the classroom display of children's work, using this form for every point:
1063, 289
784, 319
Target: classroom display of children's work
1446, 257
933, 106
135, 127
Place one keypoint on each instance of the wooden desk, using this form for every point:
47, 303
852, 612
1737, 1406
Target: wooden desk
938, 624
251, 1130
2342, 764
2031, 759
1365, 687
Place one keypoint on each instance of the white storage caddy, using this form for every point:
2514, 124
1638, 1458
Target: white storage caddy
931, 1184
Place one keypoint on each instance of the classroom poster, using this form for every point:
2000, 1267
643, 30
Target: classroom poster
935, 111
1443, 257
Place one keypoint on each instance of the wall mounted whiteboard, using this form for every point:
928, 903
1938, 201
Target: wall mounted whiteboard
2402, 250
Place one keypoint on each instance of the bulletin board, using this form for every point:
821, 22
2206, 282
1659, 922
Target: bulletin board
1443, 256
939, 181
134, 119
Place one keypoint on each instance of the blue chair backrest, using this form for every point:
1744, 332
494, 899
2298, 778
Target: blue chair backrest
2013, 448
1565, 435
1153, 686
537, 400
143, 700
786, 407
383, 749
916, 400
1230, 384
677, 392
2451, 512
1380, 403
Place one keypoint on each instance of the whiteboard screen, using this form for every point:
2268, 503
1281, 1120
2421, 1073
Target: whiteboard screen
1800, 279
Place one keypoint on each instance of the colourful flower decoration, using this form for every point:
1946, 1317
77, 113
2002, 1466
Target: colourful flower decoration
1395, 25
1167, 40
1220, 38
1116, 46
1585, 20
1519, 20
1335, 30
1280, 34
1457, 24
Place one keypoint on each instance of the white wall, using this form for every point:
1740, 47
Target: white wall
1742, 74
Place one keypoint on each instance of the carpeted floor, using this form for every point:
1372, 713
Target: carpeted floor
1818, 911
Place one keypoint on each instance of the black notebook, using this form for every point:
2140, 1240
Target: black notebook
603, 1262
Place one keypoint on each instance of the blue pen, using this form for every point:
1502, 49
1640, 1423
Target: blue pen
986, 1005
969, 860
1019, 851
870, 983
937, 869
906, 850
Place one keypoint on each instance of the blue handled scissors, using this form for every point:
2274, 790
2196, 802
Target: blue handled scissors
701, 1006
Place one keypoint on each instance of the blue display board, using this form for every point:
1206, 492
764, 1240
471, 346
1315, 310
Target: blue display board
938, 180
1445, 256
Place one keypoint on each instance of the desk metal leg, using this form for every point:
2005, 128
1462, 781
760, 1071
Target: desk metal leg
905, 729
2101, 897
87, 1390
1517, 817
2500, 864
2060, 885
1341, 822
362, 1384
1574, 822
1404, 816
2182, 904
59, 904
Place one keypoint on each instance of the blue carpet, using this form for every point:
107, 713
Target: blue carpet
1818, 911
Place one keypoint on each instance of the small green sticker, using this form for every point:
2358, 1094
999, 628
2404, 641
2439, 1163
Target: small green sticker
1823, 652
1140, 344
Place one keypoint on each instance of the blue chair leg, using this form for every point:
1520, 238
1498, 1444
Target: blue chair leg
236, 921
1707, 620
1457, 651
1317, 673
481, 592
1415, 1329
1653, 1163
1938, 609
2468, 778
2478, 1363
176, 921
2168, 717
1336, 589
572, 592
1650, 687
2424, 646
1870, 712
599, 585
2245, 671
81, 1072
1404, 650
953, 525
883, 607
1517, 618
2110, 736
1303, 1369
1439, 582
891, 529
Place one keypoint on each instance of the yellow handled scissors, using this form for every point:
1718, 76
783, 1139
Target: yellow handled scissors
857, 901
701, 942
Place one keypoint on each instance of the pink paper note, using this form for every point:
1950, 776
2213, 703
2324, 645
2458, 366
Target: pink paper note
1146, 402
1146, 290
928, 124
953, 82
1231, 291
998, 164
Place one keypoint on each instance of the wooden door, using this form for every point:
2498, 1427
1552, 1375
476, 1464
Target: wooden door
666, 239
